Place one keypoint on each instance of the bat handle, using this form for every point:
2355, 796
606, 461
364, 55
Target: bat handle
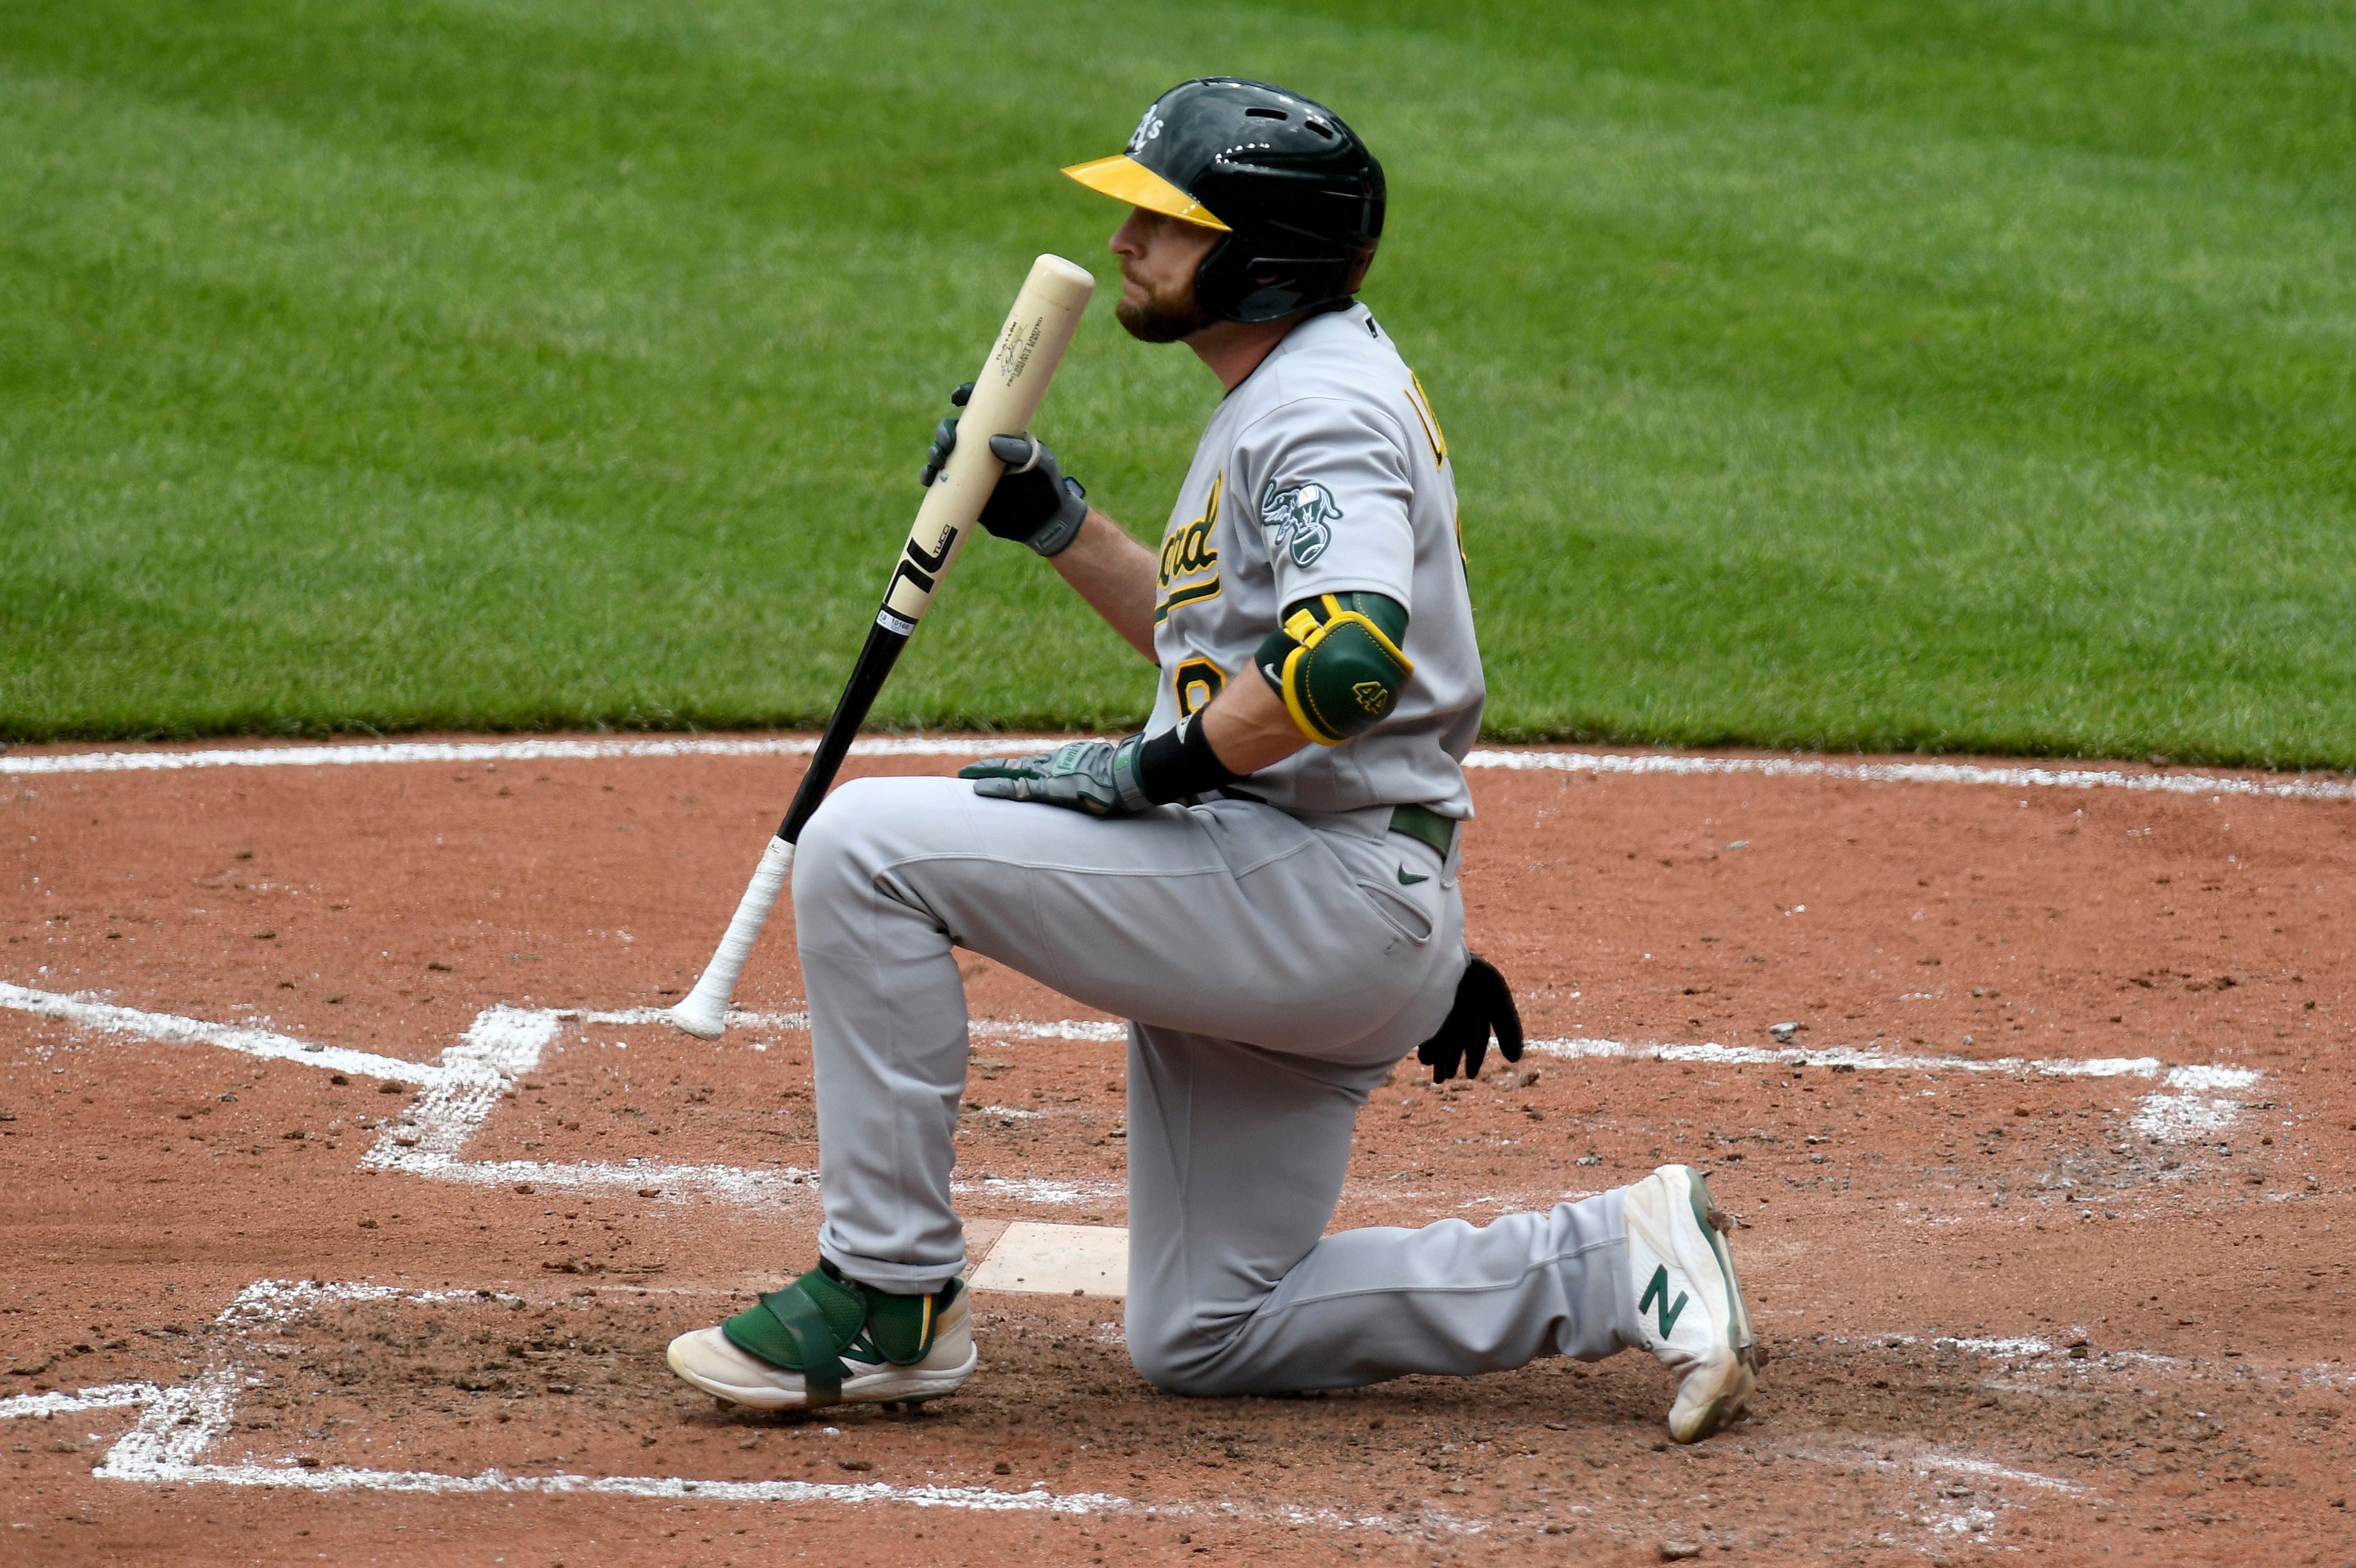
703, 1012
881, 652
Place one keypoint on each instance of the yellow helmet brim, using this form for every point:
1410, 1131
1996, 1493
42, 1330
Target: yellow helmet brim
1123, 179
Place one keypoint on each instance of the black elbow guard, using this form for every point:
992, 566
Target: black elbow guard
1336, 662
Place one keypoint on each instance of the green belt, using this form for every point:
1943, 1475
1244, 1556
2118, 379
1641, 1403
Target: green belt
1425, 826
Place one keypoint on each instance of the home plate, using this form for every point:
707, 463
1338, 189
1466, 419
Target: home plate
1058, 1260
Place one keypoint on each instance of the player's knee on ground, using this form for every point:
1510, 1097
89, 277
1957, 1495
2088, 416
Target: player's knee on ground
1175, 1364
1181, 1350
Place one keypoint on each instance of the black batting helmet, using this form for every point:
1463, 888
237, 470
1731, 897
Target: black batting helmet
1297, 194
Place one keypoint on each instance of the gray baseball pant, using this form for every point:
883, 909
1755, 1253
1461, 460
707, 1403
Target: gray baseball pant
1276, 968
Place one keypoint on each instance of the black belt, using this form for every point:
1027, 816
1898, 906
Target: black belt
1425, 825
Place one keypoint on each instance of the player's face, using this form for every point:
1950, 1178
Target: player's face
1158, 259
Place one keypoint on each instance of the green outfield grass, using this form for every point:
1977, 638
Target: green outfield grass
1895, 374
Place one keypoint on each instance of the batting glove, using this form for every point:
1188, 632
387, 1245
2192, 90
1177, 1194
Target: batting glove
1483, 1002
1095, 777
1034, 503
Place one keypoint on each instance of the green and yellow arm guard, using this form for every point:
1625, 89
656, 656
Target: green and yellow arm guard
1336, 662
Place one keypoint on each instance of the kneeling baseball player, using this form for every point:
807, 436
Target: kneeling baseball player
1264, 881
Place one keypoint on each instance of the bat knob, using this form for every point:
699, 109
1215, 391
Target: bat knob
705, 1017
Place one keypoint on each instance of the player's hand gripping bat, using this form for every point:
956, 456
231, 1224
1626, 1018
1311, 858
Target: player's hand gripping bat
1005, 395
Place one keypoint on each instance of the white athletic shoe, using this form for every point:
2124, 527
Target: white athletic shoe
713, 1362
1688, 1302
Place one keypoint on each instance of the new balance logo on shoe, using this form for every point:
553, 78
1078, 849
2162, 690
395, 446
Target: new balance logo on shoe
1658, 1293
1676, 1253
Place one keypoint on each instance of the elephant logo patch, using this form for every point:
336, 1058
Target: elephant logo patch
1300, 520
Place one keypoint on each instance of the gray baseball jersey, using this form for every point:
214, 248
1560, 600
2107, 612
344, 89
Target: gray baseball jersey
1325, 472
1275, 963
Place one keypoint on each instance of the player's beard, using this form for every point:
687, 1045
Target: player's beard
1160, 319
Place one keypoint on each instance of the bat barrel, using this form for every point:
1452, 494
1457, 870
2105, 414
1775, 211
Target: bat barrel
1006, 393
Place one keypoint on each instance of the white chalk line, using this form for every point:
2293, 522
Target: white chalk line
975, 746
791, 1023
1864, 1059
1096, 1029
460, 1093
503, 1044
1932, 1461
105, 1396
1975, 1521
2026, 1345
2187, 1106
179, 1424
349, 1479
799, 1023
506, 1042
1988, 1470
167, 1029
503, 752
1912, 773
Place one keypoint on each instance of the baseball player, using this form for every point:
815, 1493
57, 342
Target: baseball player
1264, 880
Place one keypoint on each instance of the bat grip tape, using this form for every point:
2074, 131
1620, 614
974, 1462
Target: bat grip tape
703, 1012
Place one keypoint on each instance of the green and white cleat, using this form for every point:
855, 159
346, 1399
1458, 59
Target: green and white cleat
1688, 1302
826, 1340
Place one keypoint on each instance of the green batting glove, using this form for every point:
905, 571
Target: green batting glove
1031, 767
1097, 778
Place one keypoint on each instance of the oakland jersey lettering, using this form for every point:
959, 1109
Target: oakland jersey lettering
1325, 472
1190, 561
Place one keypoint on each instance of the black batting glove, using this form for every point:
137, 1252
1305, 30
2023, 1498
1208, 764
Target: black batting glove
1483, 1002
1034, 504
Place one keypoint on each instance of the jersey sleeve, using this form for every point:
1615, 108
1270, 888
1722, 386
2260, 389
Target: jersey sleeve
1327, 483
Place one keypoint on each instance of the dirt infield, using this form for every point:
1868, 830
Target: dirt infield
351, 1201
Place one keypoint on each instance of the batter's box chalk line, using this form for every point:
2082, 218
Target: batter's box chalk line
2189, 1104
501, 1046
460, 1093
179, 1425
494, 752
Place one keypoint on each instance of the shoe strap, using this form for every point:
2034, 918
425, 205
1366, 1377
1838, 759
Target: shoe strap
902, 1327
813, 1341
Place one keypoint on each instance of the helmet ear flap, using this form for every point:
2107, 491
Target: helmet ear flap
1216, 276
1235, 283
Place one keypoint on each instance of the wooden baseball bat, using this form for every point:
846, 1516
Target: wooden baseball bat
1005, 395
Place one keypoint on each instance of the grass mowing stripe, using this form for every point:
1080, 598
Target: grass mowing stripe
486, 523
1854, 375
2250, 88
